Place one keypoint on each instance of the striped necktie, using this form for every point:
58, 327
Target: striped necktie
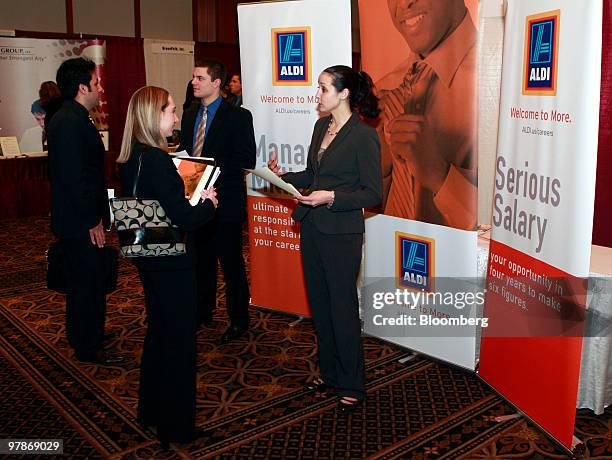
416, 86
199, 142
409, 98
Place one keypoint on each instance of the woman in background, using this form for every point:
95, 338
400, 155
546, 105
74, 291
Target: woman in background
50, 99
166, 398
342, 176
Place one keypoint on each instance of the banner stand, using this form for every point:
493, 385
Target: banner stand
283, 47
297, 321
548, 131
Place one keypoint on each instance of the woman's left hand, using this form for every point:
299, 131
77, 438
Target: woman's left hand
317, 198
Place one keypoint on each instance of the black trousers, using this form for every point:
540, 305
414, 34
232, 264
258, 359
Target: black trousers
331, 266
222, 241
167, 393
85, 296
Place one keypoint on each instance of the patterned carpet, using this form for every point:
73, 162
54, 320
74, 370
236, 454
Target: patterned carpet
250, 398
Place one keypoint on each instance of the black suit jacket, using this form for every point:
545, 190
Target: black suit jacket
159, 180
231, 142
76, 171
350, 167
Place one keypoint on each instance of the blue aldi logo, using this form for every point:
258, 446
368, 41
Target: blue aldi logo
541, 51
291, 57
414, 257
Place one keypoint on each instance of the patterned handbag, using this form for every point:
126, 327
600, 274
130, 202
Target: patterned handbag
143, 227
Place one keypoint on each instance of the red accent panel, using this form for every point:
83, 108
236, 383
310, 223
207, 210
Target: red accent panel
125, 69
277, 281
522, 354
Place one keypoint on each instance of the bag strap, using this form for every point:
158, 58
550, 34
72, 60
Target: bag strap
137, 176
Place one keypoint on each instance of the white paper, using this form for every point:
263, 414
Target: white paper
9, 147
266, 174
111, 194
183, 155
206, 179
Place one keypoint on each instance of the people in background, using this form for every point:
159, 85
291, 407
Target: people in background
38, 113
79, 207
342, 177
189, 97
429, 115
50, 99
33, 139
167, 393
215, 128
225, 90
235, 87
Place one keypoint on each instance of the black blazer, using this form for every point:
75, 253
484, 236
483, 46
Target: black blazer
76, 171
231, 142
350, 166
160, 180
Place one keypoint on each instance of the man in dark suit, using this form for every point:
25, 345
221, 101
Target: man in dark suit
79, 206
217, 129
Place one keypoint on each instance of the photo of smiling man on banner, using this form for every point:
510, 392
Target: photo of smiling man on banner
429, 119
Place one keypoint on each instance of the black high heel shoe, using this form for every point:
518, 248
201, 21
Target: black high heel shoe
317, 385
348, 404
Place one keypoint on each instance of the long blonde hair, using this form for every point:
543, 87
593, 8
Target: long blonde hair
142, 121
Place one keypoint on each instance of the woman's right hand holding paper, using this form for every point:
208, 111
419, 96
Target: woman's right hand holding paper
273, 164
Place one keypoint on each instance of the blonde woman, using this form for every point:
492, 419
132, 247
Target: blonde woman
166, 398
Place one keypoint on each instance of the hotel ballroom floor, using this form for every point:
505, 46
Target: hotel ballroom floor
250, 401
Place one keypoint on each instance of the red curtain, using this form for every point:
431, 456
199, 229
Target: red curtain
125, 73
602, 223
226, 53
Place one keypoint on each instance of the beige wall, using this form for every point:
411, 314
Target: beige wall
166, 19
108, 17
33, 15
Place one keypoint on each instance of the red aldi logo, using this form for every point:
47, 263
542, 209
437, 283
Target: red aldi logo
541, 52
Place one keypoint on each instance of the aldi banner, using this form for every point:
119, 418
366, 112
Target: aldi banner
284, 46
422, 57
421, 291
543, 208
25, 63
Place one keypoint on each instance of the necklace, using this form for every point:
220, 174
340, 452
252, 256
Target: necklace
329, 131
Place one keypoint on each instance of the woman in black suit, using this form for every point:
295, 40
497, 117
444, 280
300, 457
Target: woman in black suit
166, 398
342, 176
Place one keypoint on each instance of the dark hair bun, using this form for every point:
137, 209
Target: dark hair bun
367, 101
360, 86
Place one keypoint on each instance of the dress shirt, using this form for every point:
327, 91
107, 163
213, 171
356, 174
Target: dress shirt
451, 130
211, 110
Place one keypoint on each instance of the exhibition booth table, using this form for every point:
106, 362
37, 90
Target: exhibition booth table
25, 187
